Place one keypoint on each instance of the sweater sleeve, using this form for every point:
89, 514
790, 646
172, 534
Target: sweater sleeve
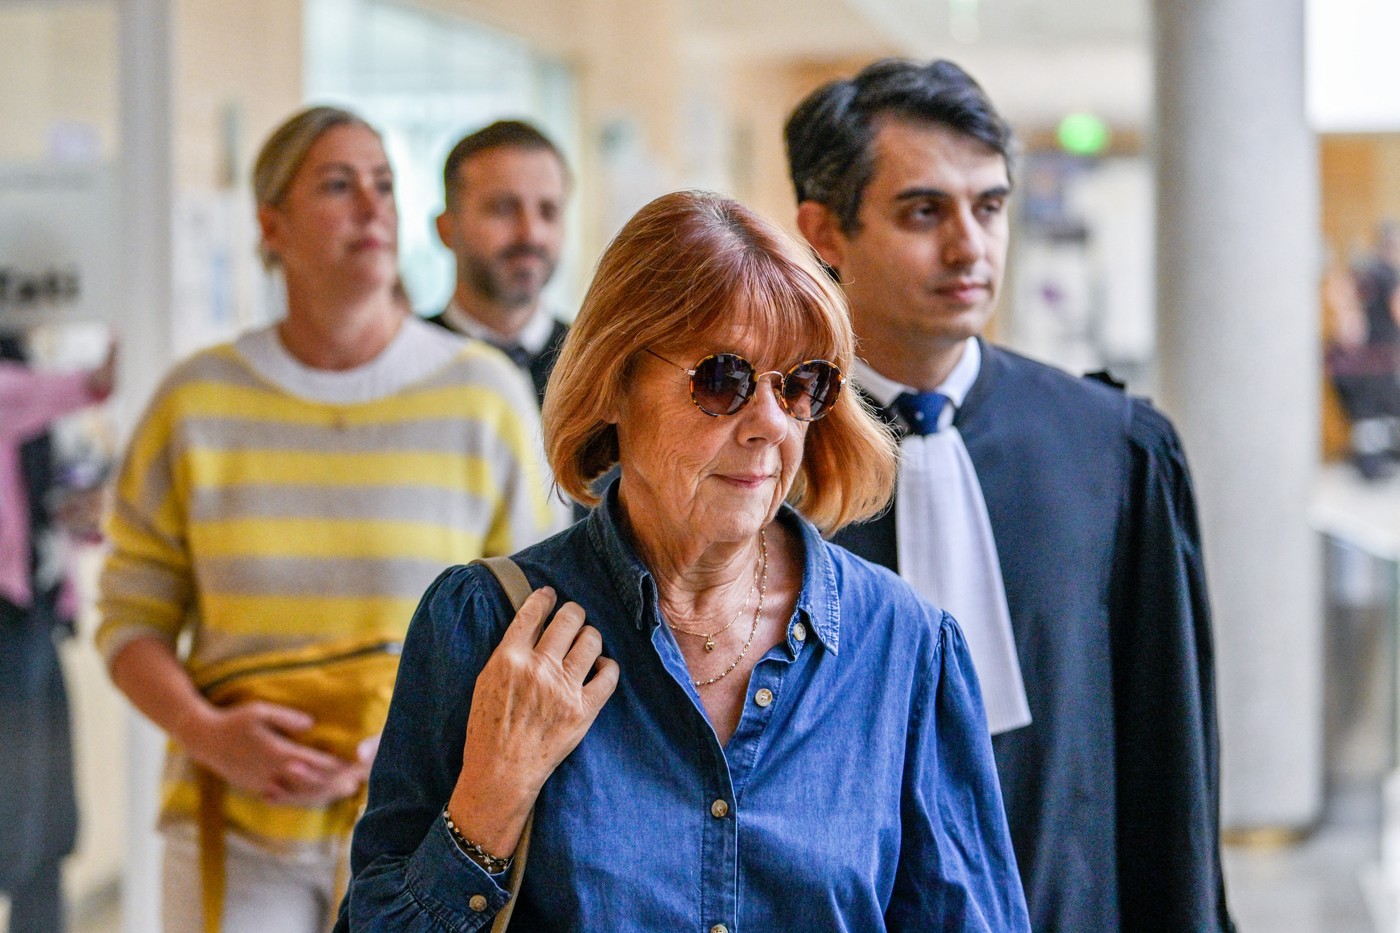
146, 586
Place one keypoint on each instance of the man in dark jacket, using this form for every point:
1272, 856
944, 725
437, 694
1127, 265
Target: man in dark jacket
506, 190
1052, 516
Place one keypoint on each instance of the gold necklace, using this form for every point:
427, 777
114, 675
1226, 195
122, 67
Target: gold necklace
710, 636
758, 613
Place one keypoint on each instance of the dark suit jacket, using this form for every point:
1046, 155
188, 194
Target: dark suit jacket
1112, 791
540, 365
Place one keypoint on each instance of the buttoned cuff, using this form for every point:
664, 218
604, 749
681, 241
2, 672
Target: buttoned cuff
451, 886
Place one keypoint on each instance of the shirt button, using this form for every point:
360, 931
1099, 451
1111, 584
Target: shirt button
477, 903
719, 809
719, 928
763, 697
799, 631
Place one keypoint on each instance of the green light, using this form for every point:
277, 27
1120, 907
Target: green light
1082, 134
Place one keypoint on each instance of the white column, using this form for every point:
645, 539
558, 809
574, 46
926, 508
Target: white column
143, 322
1238, 321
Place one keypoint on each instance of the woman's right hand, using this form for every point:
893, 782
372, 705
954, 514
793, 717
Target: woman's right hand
252, 747
534, 701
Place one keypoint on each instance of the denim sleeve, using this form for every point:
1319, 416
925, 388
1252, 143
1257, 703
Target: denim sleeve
957, 870
408, 874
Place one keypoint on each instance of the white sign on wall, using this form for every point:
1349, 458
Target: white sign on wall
57, 245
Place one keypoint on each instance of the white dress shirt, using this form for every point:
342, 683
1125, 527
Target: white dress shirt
533, 338
945, 545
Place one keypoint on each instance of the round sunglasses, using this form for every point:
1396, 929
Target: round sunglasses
723, 383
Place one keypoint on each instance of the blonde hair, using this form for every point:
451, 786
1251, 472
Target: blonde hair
678, 272
285, 150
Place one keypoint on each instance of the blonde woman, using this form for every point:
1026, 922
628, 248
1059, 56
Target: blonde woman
295, 489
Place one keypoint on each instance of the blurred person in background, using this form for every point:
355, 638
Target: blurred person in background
506, 187
1377, 276
283, 503
38, 810
1363, 354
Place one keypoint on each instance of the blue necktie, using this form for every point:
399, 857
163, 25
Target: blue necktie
519, 355
920, 410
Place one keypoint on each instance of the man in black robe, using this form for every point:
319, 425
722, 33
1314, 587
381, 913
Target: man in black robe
1108, 759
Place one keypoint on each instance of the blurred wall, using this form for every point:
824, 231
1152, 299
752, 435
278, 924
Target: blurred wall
58, 66
237, 74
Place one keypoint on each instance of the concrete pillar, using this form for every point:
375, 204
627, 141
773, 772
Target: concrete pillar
145, 206
1237, 317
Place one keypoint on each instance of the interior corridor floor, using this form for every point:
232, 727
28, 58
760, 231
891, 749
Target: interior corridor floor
1315, 886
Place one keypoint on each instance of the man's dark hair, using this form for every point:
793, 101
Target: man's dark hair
516, 134
830, 134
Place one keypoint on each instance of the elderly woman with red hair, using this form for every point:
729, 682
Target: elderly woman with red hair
753, 729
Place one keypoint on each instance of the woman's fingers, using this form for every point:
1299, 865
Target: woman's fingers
584, 650
524, 630
532, 628
604, 682
284, 720
559, 635
311, 760
535, 689
255, 747
283, 724
298, 786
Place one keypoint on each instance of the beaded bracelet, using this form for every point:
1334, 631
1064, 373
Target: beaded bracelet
489, 862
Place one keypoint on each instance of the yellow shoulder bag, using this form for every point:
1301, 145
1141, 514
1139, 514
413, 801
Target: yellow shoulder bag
345, 686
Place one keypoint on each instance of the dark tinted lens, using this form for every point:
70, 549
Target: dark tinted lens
722, 383
811, 388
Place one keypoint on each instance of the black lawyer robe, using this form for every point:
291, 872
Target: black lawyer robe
1112, 792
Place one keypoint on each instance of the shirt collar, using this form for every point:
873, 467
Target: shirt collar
883, 390
817, 603
533, 337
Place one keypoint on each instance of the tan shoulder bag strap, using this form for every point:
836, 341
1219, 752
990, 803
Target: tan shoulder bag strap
511, 578
517, 587
212, 827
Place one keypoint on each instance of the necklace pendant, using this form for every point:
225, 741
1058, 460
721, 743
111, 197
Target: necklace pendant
709, 643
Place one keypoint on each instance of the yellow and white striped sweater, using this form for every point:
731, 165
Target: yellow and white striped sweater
254, 520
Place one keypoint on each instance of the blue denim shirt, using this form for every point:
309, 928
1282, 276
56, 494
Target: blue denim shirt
862, 797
